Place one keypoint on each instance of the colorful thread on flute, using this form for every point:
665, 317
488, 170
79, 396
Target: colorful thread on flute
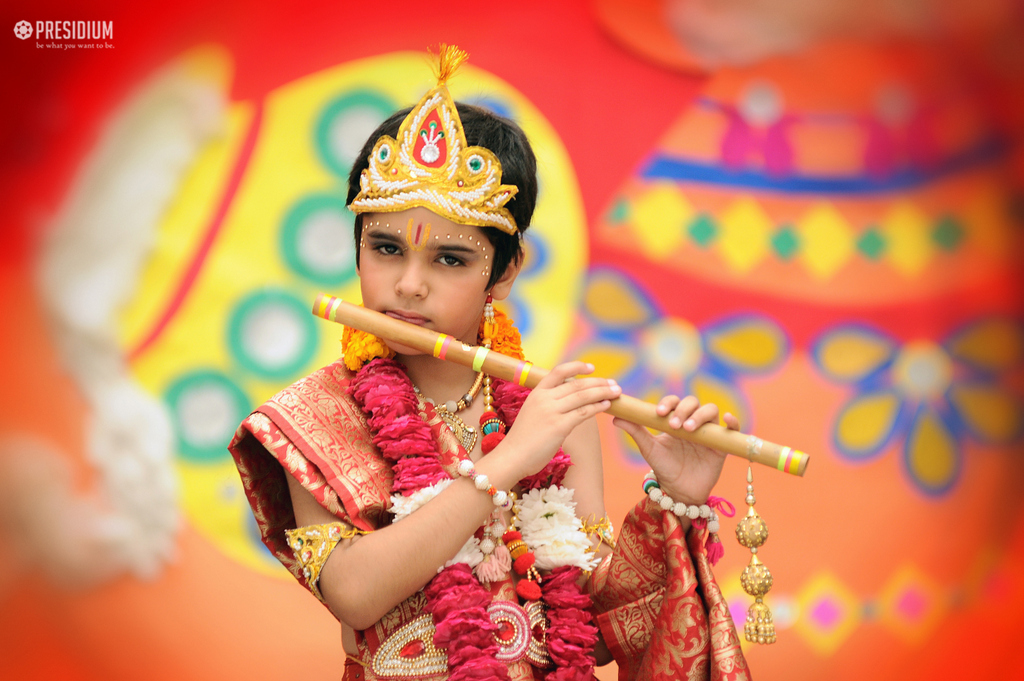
522, 371
784, 457
441, 346
478, 359
334, 309
323, 306
794, 465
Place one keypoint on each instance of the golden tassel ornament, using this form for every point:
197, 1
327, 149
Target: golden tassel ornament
449, 59
756, 580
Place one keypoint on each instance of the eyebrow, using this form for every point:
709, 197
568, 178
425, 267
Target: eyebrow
383, 236
445, 246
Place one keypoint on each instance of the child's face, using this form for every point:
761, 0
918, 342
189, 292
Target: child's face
419, 267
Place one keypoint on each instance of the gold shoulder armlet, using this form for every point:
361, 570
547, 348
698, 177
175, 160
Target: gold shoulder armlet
603, 529
312, 545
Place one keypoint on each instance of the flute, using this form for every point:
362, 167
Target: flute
448, 348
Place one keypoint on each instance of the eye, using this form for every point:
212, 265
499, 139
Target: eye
450, 260
387, 249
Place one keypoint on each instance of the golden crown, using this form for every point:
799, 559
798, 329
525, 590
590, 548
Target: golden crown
430, 164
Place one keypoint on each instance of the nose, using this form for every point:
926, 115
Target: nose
413, 281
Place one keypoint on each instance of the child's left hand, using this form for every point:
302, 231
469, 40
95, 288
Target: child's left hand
686, 471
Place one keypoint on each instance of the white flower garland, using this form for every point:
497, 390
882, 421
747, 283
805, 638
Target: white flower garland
89, 268
403, 506
548, 522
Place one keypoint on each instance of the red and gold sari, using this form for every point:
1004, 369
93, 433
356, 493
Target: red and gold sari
655, 599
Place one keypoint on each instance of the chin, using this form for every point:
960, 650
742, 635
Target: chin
405, 350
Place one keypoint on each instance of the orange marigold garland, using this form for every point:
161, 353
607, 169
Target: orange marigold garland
359, 347
504, 335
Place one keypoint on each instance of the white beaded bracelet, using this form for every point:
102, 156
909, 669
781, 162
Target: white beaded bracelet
667, 503
501, 498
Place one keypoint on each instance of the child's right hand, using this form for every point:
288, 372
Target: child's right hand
553, 409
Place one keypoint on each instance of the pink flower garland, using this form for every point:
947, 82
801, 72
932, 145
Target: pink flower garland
386, 394
455, 598
571, 637
458, 603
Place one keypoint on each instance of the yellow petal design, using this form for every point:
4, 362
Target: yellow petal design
990, 413
746, 231
907, 231
614, 302
993, 344
932, 455
827, 240
866, 423
747, 344
660, 217
708, 388
609, 360
849, 354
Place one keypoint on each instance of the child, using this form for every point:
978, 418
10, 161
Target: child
368, 483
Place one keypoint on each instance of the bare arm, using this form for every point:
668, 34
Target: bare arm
586, 477
367, 576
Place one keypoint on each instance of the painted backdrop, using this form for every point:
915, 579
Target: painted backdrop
821, 239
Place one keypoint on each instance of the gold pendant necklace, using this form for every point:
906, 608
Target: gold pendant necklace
466, 435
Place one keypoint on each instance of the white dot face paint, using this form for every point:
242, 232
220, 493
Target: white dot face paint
420, 267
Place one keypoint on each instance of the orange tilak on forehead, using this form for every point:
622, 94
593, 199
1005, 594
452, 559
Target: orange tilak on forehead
416, 234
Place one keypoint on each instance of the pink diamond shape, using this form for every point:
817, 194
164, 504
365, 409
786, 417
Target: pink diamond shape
826, 613
912, 604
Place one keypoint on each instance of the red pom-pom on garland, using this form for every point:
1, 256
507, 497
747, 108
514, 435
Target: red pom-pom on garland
491, 441
528, 590
524, 562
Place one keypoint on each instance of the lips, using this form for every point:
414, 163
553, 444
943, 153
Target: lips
410, 317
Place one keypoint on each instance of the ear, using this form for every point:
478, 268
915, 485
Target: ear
357, 227
503, 286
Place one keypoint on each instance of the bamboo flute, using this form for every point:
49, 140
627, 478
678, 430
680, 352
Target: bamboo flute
524, 373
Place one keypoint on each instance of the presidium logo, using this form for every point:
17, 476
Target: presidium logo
66, 31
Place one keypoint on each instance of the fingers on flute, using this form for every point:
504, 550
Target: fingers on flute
591, 391
579, 385
731, 422
667, 404
635, 431
563, 372
706, 413
682, 411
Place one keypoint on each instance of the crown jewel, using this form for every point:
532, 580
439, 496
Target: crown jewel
430, 164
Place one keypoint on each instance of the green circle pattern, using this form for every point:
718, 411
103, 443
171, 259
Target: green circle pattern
298, 220
213, 448
370, 100
298, 309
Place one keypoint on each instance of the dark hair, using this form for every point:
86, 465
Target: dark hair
518, 166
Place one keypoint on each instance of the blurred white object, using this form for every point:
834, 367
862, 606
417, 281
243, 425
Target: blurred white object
87, 271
